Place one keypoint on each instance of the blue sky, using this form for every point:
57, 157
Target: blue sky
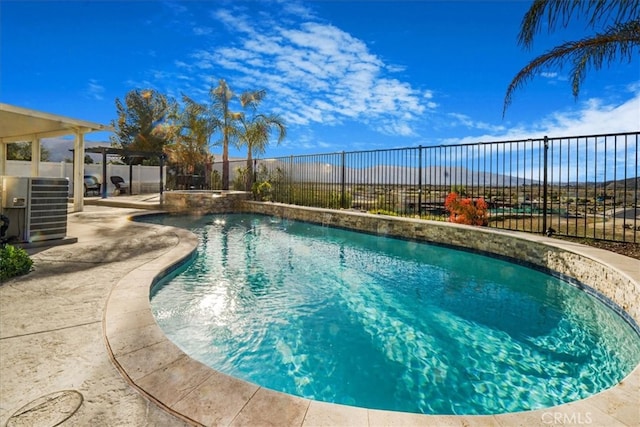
344, 75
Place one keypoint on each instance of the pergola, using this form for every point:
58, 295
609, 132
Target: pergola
126, 153
19, 124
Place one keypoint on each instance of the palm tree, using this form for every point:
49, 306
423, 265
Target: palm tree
193, 131
235, 128
221, 118
618, 41
257, 129
227, 121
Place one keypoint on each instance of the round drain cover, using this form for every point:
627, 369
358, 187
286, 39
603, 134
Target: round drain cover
47, 411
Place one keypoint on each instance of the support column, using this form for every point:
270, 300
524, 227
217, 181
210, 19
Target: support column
103, 187
35, 156
3, 158
161, 159
78, 172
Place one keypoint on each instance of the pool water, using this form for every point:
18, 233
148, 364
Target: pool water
369, 321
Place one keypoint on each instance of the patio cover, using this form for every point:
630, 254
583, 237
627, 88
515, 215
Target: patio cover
126, 153
19, 124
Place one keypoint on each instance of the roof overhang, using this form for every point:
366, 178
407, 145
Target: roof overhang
23, 124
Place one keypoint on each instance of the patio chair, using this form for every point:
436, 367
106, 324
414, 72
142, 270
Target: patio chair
121, 186
91, 185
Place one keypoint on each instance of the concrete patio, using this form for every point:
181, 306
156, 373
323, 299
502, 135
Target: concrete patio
51, 335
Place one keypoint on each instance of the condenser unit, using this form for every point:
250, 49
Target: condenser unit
36, 207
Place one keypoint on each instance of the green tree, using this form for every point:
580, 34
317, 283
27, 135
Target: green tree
619, 39
215, 181
257, 130
144, 122
224, 120
22, 151
239, 179
228, 121
190, 146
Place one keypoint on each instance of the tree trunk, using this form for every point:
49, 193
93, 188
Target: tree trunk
225, 164
249, 178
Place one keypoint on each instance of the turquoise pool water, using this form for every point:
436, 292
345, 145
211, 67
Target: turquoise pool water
375, 322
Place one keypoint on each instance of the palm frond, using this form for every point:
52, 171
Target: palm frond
618, 42
560, 12
252, 99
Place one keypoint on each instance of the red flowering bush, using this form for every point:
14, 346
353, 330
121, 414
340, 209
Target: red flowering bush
465, 211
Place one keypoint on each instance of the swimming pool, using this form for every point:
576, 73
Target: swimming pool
384, 323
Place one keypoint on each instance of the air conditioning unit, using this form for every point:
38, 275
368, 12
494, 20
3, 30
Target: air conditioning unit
36, 207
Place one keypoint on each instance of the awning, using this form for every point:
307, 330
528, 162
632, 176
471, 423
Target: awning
22, 124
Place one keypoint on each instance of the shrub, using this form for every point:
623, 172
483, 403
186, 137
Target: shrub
262, 191
465, 211
13, 262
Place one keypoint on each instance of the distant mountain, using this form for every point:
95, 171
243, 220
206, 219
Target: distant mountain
395, 175
629, 183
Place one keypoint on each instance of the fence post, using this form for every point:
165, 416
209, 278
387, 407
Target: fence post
343, 187
420, 181
161, 161
545, 184
290, 192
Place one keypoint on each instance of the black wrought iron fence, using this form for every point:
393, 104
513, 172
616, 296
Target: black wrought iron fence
580, 186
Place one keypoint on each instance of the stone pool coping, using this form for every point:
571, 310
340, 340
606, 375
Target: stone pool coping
159, 370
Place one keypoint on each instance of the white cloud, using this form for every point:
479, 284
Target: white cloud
202, 31
593, 114
175, 7
182, 64
395, 68
592, 117
233, 22
553, 77
95, 90
314, 72
317, 73
634, 87
296, 9
466, 121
